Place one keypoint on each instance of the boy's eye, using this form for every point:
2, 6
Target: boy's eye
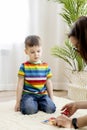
38, 51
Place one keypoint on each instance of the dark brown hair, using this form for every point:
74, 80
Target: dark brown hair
79, 31
32, 40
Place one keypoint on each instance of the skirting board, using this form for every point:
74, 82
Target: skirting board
60, 86
56, 86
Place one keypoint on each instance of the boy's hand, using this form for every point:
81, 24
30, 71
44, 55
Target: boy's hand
17, 107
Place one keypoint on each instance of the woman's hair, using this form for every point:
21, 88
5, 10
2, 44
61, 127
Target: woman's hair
79, 31
32, 40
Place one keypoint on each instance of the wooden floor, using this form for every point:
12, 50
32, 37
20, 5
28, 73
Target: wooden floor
11, 95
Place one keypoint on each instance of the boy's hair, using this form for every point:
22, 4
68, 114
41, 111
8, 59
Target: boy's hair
32, 40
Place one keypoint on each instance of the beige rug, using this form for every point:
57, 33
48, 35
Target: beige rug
11, 120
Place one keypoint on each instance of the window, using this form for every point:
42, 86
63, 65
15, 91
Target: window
14, 22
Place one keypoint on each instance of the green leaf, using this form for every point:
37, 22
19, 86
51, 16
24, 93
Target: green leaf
71, 11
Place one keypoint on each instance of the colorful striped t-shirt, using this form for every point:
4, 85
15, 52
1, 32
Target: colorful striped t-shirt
35, 76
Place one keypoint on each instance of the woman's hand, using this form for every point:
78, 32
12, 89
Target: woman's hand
64, 121
69, 109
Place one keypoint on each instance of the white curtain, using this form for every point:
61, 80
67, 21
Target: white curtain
19, 18
14, 26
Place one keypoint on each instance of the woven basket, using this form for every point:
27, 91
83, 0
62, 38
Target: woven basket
78, 86
77, 93
78, 78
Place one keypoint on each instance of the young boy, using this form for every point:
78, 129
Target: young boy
34, 89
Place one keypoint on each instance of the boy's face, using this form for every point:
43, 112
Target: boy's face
34, 53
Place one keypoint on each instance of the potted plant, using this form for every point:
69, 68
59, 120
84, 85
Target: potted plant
69, 54
72, 10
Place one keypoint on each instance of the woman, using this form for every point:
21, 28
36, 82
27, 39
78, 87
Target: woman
78, 37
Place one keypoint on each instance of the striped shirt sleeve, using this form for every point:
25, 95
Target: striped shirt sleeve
21, 71
49, 73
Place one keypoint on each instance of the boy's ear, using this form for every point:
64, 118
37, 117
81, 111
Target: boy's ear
25, 51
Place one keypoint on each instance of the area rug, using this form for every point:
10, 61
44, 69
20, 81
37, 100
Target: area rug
11, 120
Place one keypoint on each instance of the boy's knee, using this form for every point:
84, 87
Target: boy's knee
28, 111
51, 109
29, 107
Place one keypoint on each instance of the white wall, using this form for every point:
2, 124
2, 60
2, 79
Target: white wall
53, 34
44, 20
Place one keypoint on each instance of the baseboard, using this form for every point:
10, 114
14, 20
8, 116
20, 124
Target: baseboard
56, 86
60, 86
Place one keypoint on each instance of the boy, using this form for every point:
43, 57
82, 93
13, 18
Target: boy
34, 89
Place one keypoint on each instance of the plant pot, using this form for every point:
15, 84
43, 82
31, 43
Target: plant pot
78, 78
